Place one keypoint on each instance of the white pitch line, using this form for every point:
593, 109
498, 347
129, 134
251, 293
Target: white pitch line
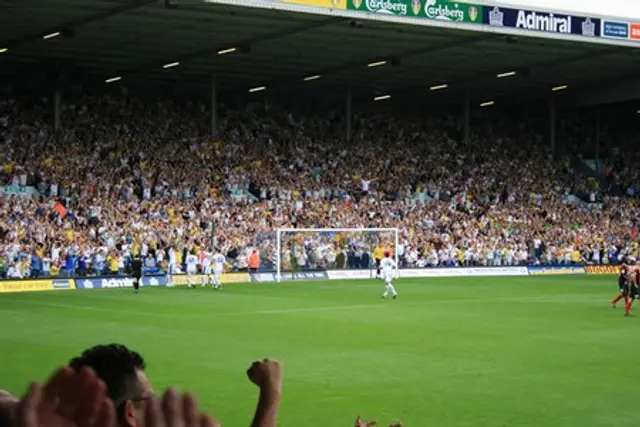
539, 299
237, 313
312, 309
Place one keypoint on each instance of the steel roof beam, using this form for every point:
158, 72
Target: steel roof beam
134, 4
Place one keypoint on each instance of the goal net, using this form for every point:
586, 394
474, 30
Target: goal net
312, 249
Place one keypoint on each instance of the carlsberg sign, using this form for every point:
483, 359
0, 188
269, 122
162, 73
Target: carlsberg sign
391, 7
443, 10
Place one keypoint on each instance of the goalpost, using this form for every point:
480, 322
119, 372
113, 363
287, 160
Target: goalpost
328, 247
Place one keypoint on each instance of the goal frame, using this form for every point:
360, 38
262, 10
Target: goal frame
281, 231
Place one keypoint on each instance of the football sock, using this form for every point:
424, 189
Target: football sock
616, 299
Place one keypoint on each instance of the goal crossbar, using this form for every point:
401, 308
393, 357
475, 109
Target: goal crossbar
281, 231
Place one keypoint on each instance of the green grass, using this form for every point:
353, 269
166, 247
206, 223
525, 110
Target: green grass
544, 351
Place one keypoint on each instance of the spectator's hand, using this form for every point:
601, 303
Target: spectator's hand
266, 374
70, 399
177, 411
360, 423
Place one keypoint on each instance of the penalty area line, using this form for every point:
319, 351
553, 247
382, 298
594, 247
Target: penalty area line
228, 314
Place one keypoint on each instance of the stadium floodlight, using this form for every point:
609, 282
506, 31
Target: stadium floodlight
381, 97
257, 89
325, 248
311, 78
487, 103
439, 87
376, 64
557, 88
51, 35
113, 79
507, 74
227, 51
4, 50
170, 65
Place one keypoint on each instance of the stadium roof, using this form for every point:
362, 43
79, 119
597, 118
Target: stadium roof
138, 40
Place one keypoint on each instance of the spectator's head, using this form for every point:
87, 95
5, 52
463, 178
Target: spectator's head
122, 371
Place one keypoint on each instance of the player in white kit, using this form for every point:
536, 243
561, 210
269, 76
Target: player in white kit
205, 263
192, 267
172, 263
218, 269
388, 266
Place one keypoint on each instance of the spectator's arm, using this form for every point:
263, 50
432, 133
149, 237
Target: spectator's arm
267, 375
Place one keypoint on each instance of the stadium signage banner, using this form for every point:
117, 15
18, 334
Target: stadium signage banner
329, 4
541, 21
436, 272
442, 10
349, 274
615, 30
103, 283
35, 285
634, 33
603, 269
462, 272
118, 282
18, 190
557, 270
182, 279
287, 277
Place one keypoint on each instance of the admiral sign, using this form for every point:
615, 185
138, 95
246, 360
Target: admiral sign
542, 21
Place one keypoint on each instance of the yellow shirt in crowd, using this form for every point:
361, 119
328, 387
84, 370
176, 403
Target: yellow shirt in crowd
575, 256
113, 263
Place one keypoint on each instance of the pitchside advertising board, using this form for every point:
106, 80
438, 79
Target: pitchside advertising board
118, 282
603, 269
557, 270
182, 279
442, 10
36, 285
178, 280
542, 21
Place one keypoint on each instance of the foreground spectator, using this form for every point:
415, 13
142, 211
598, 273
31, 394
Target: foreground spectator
107, 387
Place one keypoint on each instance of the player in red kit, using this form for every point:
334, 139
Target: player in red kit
634, 288
623, 281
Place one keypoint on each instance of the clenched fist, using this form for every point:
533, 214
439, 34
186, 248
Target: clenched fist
266, 374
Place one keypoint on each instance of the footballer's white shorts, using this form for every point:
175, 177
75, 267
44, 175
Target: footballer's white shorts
388, 277
206, 270
191, 270
217, 273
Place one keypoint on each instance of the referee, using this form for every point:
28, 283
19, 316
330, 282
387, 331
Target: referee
136, 269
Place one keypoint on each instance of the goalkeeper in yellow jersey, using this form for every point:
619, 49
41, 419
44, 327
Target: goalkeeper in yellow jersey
378, 255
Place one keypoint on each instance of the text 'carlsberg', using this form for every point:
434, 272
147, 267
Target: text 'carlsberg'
546, 22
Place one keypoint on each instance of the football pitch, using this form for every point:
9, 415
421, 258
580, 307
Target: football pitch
464, 352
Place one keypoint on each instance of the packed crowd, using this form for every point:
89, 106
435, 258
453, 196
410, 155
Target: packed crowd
124, 178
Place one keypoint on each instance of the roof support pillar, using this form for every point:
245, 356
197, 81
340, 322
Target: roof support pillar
57, 97
348, 130
598, 141
213, 110
467, 120
552, 125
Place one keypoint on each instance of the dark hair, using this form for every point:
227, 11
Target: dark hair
116, 366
